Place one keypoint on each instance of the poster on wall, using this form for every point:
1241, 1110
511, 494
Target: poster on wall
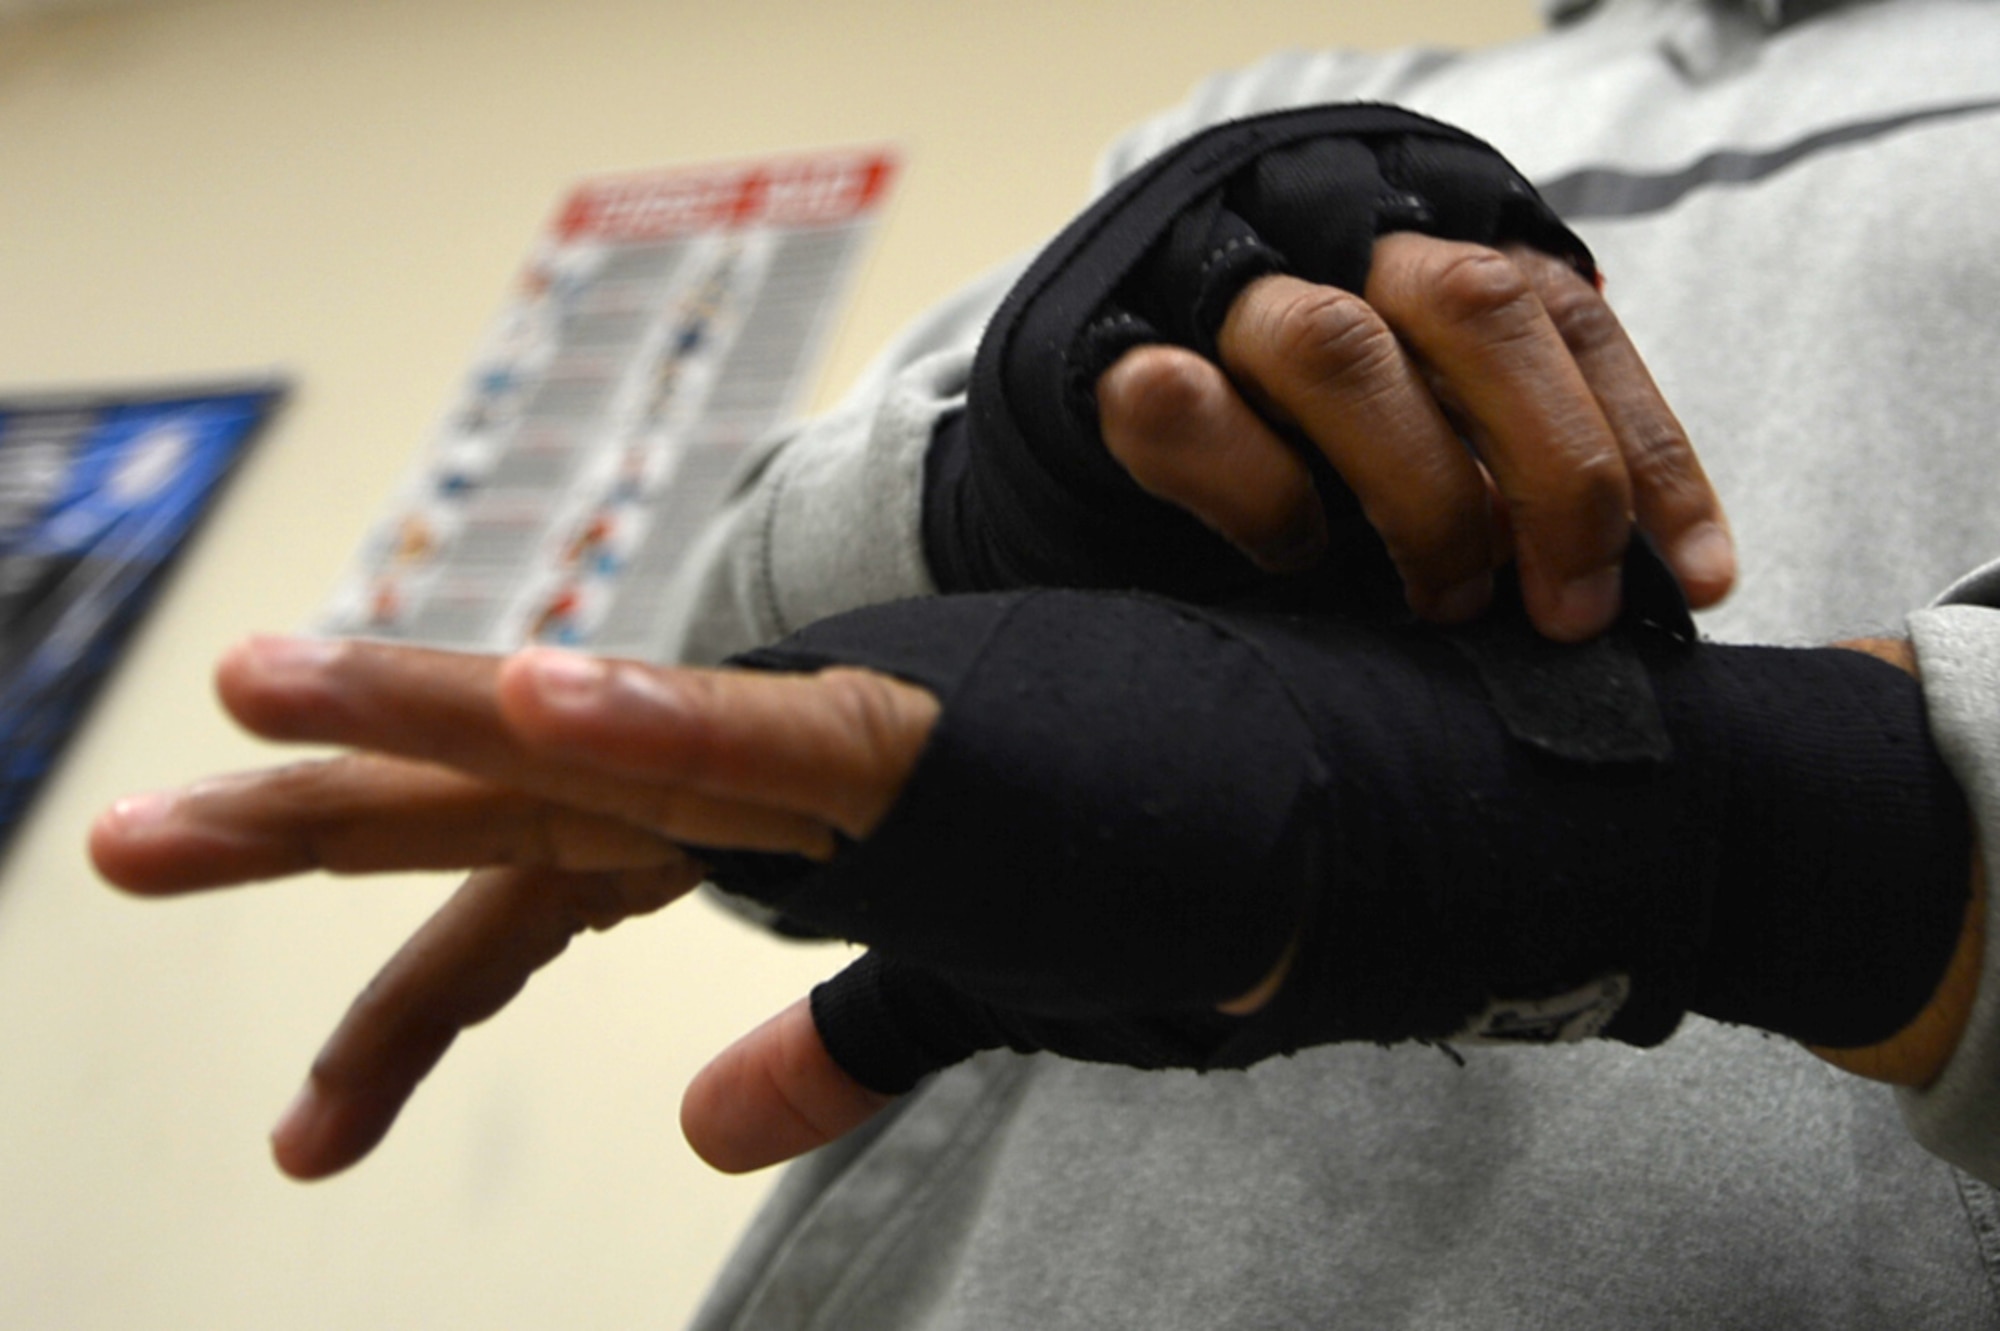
659, 327
98, 493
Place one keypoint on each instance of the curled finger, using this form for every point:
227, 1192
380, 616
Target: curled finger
1177, 425
1671, 494
1476, 321
1320, 360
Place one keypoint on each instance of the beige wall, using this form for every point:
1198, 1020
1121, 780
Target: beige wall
342, 189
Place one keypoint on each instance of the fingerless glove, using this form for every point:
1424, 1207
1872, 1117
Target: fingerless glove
1020, 491
1130, 810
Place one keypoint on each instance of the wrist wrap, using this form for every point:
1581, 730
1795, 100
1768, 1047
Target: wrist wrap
1130, 810
1020, 490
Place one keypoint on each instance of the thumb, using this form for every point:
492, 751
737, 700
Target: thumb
773, 1095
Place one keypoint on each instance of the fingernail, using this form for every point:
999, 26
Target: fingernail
139, 813
1705, 556
1465, 601
299, 1124
567, 679
289, 657
1587, 604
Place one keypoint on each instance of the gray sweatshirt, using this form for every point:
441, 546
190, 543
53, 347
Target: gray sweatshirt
1795, 207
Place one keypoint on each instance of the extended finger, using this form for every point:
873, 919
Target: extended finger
466, 963
442, 708
358, 813
773, 1095
1175, 423
837, 745
1671, 494
1473, 317
1322, 360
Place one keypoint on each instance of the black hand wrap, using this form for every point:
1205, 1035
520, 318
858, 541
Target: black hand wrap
1020, 491
1130, 809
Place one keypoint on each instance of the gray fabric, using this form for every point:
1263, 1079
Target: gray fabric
1958, 651
1770, 13
1827, 333
1387, 1189
827, 519
1602, 192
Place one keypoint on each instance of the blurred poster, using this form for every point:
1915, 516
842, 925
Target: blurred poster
660, 326
97, 494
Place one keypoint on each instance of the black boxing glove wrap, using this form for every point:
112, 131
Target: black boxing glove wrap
890, 1024
1020, 491
1038, 825
1130, 810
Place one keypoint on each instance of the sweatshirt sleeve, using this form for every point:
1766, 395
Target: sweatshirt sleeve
1957, 641
826, 517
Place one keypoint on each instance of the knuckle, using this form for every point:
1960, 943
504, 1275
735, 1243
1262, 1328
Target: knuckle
1478, 286
309, 781
1152, 391
1658, 454
1334, 332
870, 714
1435, 536
1582, 317
1149, 372
309, 801
699, 740
1599, 483
1592, 494
1546, 271
1445, 538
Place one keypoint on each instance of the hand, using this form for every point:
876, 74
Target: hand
1340, 338
1430, 876
565, 784
575, 778
1509, 350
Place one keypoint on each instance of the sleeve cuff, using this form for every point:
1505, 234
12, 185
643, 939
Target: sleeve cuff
1957, 1117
